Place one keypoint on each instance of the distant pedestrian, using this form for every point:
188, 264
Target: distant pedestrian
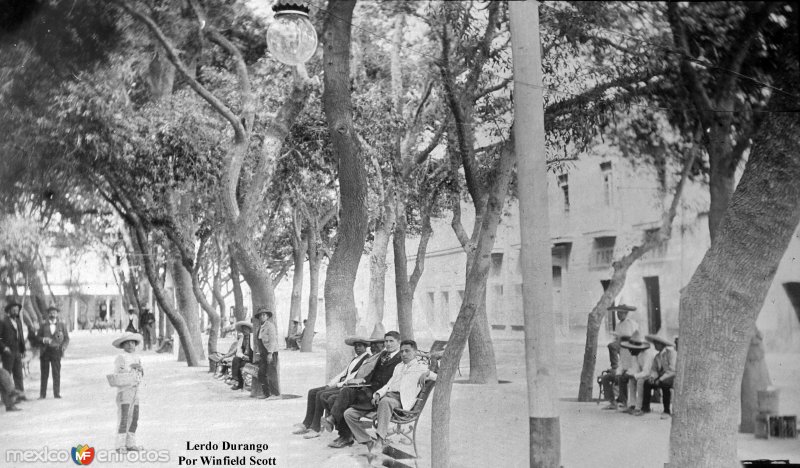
147, 322
12, 345
54, 339
133, 321
129, 373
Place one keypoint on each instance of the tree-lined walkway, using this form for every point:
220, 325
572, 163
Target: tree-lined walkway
489, 424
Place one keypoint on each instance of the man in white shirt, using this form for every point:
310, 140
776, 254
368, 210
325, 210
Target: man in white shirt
638, 372
314, 406
620, 357
400, 391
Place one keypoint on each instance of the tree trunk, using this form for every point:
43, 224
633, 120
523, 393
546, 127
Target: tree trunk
219, 299
314, 263
299, 249
238, 297
478, 272
755, 378
35, 289
213, 316
340, 316
720, 305
188, 308
377, 267
165, 304
405, 298
482, 363
257, 277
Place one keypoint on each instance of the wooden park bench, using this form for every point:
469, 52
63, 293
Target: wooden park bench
405, 422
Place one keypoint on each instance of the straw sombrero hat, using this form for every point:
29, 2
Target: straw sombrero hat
242, 324
660, 338
635, 342
127, 337
352, 340
377, 337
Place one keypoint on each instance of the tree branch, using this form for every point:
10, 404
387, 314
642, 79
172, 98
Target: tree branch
690, 77
757, 16
174, 58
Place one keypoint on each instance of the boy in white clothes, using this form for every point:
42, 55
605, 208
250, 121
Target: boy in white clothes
128, 396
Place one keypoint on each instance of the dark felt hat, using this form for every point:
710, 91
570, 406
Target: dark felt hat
12, 304
622, 308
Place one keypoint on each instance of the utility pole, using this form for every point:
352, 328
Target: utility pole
537, 295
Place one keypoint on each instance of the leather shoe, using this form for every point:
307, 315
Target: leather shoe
13, 408
301, 431
236, 387
311, 435
21, 396
341, 444
58, 397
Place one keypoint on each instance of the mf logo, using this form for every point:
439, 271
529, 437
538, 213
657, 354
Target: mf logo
82, 454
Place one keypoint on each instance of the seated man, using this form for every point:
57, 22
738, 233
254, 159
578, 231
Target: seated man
295, 335
224, 360
640, 369
243, 354
362, 396
620, 357
662, 372
401, 391
376, 346
314, 406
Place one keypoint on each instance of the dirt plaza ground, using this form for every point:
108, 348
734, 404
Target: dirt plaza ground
182, 405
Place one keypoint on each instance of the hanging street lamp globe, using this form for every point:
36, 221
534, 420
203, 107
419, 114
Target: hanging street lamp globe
291, 37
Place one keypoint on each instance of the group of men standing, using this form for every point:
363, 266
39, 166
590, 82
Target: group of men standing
389, 378
636, 369
52, 339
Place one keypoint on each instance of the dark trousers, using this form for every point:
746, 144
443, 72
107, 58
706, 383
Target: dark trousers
124, 424
48, 361
609, 381
346, 398
147, 335
12, 362
236, 369
666, 394
315, 406
7, 389
268, 375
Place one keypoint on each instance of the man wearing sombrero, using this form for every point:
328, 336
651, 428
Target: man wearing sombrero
643, 356
662, 372
128, 364
315, 406
244, 353
620, 357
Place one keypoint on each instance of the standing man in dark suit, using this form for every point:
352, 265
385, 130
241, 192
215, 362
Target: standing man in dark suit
362, 396
146, 321
54, 339
12, 345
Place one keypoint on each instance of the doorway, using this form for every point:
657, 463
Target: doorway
653, 304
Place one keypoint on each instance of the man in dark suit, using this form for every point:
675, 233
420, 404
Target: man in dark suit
362, 396
146, 321
54, 339
12, 345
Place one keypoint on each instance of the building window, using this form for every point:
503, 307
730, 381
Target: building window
608, 183
603, 251
497, 264
563, 183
